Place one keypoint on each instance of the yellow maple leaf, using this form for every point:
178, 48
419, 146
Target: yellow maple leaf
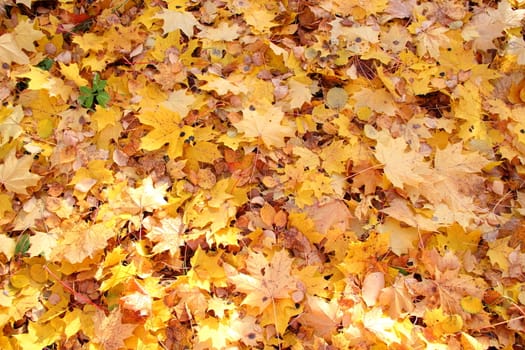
76, 320
400, 166
39, 335
138, 302
10, 51
167, 236
42, 79
490, 23
110, 332
42, 243
266, 281
358, 38
214, 333
206, 270
441, 323
39, 78
95, 172
322, 315
223, 32
279, 314
202, 151
300, 91
11, 44
222, 86
15, 175
6, 205
335, 157
265, 122
430, 40
10, 119
180, 102
174, 20
25, 35
80, 241
106, 117
379, 100
119, 274
72, 72
471, 304
499, 253
167, 129
147, 197
90, 42
468, 107
259, 16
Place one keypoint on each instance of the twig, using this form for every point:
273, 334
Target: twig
81, 298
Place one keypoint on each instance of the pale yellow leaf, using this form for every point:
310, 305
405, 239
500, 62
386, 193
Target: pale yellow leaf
379, 100
168, 236
9, 50
82, 241
110, 332
299, 92
15, 175
266, 281
139, 302
401, 166
265, 123
180, 102
174, 20
10, 128
221, 86
7, 245
25, 35
42, 243
223, 32
147, 197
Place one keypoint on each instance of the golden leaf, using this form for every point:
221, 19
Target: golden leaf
15, 174
265, 123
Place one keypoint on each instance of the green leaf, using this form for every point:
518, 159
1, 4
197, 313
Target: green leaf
102, 98
86, 90
98, 84
45, 64
86, 100
23, 244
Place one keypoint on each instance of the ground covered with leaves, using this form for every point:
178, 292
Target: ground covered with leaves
276, 175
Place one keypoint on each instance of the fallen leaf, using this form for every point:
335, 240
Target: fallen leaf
110, 332
174, 20
15, 174
372, 285
265, 123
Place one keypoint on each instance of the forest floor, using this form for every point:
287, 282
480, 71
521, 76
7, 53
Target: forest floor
239, 174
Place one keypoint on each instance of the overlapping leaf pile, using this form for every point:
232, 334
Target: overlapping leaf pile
244, 174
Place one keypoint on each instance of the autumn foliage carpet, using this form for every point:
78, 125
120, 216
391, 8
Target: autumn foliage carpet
241, 174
